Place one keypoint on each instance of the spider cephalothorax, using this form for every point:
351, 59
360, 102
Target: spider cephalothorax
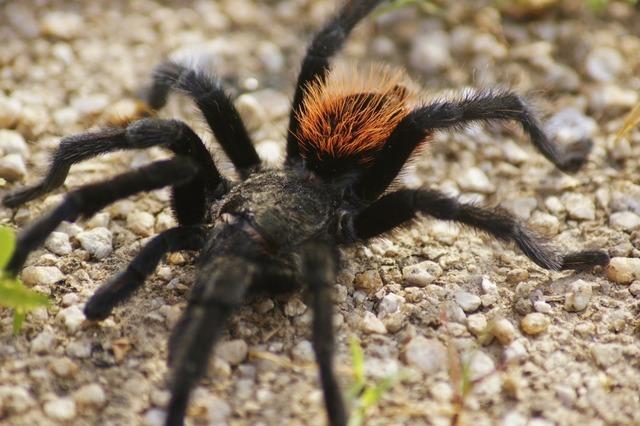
348, 139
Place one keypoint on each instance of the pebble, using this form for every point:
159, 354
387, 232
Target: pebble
63, 367
274, 104
515, 351
571, 125
213, 409
473, 179
43, 342
390, 304
73, 317
428, 355
63, 25
60, 409
99, 220
579, 206
606, 354
624, 270
141, 223
12, 167
430, 52
91, 395
12, 142
41, 275
97, 241
58, 243
467, 301
270, 152
514, 153
480, 365
604, 64
578, 296
477, 324
79, 348
634, 288
372, 325
15, 399
624, 221
164, 221
90, 105
233, 351
270, 56
454, 313
444, 232
610, 98
488, 286
253, 114
521, 207
421, 274
294, 307
542, 307
554, 205
544, 223
9, 114
303, 351
534, 323
503, 330
368, 281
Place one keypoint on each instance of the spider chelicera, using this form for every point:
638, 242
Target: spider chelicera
276, 230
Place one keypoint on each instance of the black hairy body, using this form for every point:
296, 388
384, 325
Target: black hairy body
280, 229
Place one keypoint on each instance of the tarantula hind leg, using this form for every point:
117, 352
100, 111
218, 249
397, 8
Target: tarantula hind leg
188, 201
87, 200
319, 268
221, 285
121, 286
398, 207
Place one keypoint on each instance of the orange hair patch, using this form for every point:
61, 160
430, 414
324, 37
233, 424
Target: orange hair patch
350, 115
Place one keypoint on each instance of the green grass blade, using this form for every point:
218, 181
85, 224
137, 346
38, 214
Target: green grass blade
14, 295
7, 245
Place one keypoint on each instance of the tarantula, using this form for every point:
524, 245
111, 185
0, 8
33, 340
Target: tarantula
279, 229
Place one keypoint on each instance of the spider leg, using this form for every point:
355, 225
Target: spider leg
220, 287
398, 207
188, 198
87, 200
122, 286
216, 107
482, 106
315, 65
319, 264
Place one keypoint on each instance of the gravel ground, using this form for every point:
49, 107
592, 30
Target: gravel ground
565, 347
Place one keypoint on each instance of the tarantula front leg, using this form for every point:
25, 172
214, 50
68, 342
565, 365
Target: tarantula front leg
401, 206
87, 200
121, 286
455, 114
319, 264
215, 105
326, 43
188, 200
220, 287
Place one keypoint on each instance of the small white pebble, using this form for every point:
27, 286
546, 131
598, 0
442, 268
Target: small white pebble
473, 179
480, 365
579, 206
488, 286
372, 325
60, 409
467, 301
141, 223
79, 348
545, 223
542, 307
477, 324
421, 274
91, 395
430, 52
578, 296
58, 243
15, 399
64, 25
428, 355
12, 142
253, 114
294, 307
41, 275
534, 323
12, 167
503, 330
73, 317
63, 367
97, 241
303, 351
624, 221
43, 342
99, 220
390, 304
624, 270
515, 351
9, 113
233, 351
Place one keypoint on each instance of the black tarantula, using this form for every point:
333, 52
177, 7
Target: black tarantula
349, 136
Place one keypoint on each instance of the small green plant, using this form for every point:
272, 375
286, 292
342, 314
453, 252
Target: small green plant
362, 394
13, 294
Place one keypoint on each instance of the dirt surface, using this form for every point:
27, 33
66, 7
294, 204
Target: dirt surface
67, 66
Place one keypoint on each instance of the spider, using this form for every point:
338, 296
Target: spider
280, 229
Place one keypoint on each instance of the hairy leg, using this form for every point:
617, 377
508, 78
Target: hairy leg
398, 207
220, 287
319, 264
123, 285
215, 105
188, 200
87, 200
456, 114
315, 65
